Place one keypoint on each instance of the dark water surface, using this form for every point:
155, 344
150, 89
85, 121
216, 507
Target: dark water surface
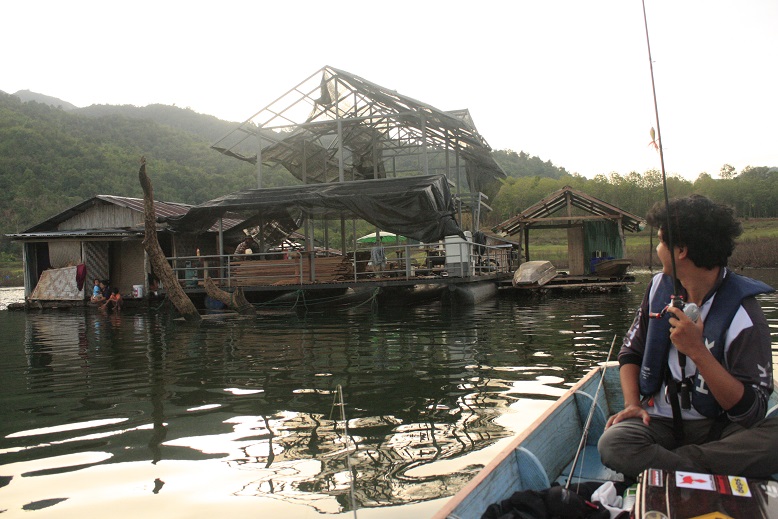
141, 415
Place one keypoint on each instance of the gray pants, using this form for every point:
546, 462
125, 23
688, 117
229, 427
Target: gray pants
630, 447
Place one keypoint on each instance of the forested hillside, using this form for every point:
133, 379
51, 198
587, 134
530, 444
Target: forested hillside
51, 159
206, 126
521, 164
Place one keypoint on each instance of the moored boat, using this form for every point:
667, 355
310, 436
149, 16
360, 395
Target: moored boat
544, 453
536, 273
612, 268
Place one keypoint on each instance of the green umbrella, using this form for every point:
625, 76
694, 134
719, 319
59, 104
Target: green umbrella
386, 237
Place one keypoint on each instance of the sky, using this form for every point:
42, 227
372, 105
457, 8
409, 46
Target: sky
568, 81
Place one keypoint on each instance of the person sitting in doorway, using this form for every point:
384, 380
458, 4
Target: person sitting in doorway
97, 293
105, 289
114, 302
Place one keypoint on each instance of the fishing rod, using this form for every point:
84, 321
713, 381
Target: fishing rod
658, 144
588, 423
676, 300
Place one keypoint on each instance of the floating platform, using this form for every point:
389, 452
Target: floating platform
562, 281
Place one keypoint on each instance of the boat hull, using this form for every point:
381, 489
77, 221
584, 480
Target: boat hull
469, 294
536, 458
536, 273
543, 454
614, 268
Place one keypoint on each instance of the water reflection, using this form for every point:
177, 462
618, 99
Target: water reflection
143, 405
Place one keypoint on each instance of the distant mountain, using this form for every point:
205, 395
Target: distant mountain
27, 95
207, 127
211, 129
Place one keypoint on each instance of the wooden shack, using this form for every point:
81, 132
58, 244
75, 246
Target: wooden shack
104, 235
595, 229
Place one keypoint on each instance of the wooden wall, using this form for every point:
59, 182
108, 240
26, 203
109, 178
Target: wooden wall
103, 217
575, 251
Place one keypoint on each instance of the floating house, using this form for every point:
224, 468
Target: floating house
363, 155
595, 238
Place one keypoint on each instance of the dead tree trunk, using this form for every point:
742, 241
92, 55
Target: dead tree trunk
162, 268
235, 301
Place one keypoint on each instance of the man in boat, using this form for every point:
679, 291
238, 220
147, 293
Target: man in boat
708, 416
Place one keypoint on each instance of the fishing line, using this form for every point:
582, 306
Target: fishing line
669, 237
588, 423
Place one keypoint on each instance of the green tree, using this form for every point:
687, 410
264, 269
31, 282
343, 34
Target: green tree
727, 172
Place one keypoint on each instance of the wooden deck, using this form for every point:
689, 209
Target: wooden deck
585, 283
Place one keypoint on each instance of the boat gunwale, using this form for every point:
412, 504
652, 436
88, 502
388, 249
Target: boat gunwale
457, 499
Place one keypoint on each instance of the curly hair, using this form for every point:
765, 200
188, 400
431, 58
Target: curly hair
707, 229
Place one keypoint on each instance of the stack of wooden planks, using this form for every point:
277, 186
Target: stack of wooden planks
287, 272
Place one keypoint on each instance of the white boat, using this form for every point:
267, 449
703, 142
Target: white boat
534, 273
544, 452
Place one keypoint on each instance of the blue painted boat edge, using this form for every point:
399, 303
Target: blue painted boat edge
478, 494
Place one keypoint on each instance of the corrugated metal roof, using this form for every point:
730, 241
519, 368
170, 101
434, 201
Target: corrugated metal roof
136, 204
80, 233
161, 209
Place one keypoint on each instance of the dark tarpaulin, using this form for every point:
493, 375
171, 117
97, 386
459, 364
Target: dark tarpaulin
417, 207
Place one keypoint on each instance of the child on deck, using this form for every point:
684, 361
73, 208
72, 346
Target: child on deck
114, 302
97, 293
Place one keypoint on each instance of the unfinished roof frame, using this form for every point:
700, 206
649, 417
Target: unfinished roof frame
336, 127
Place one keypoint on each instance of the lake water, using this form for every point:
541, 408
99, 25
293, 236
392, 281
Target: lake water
141, 415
